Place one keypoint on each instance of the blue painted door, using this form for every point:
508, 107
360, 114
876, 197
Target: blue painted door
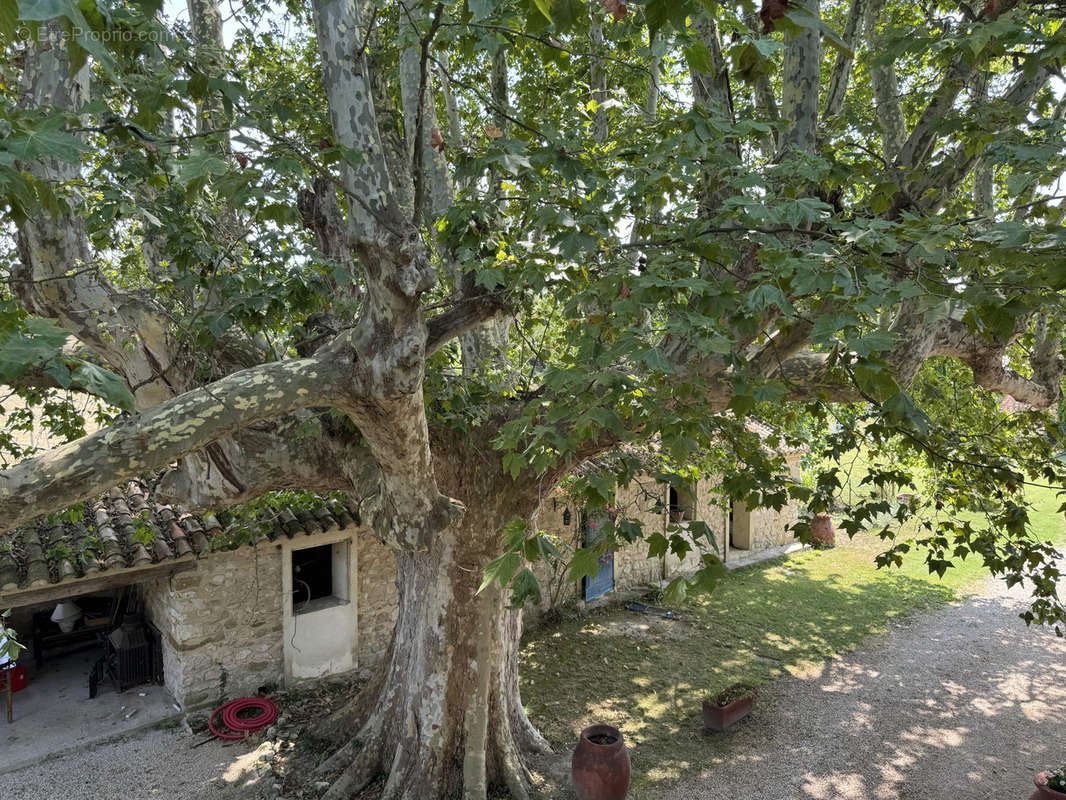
603, 581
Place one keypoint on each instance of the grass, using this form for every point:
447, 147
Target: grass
647, 676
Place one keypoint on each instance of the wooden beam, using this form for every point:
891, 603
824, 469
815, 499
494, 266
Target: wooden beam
97, 583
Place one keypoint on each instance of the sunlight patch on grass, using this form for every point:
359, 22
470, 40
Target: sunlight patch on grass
788, 616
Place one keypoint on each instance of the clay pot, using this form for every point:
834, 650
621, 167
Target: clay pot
718, 718
600, 768
822, 529
1042, 792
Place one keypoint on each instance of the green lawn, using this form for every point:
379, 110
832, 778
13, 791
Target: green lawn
646, 676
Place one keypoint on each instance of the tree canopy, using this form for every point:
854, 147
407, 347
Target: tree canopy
432, 254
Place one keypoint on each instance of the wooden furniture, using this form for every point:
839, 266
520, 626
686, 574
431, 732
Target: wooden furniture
100, 613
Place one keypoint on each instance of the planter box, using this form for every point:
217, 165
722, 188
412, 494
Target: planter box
718, 718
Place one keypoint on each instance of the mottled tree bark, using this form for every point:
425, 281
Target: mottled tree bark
445, 719
799, 94
885, 85
841, 75
597, 77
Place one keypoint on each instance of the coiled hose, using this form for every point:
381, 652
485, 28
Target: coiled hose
239, 726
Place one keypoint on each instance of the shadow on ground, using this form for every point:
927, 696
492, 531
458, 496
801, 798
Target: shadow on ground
647, 677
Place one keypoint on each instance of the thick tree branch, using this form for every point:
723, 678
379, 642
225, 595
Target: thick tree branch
937, 184
80, 470
322, 216
838, 81
954, 338
56, 277
466, 315
345, 78
885, 85
297, 451
919, 145
433, 191
800, 82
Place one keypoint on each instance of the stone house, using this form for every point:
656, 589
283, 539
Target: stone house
738, 533
310, 594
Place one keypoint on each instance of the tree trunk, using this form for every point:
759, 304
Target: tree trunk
444, 718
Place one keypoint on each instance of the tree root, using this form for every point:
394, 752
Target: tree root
354, 715
358, 774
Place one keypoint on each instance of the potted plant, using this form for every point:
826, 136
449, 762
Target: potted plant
1050, 785
728, 706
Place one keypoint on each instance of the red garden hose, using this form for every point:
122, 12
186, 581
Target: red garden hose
241, 726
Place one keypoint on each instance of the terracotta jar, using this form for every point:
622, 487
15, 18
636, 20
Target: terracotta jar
1042, 792
600, 768
822, 529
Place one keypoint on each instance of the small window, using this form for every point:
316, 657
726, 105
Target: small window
319, 577
682, 506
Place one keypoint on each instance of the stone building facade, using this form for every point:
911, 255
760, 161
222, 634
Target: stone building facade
234, 623
315, 595
737, 532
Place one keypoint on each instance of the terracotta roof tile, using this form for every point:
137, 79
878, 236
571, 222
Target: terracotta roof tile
124, 529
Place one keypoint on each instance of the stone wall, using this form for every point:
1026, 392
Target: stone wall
221, 625
632, 567
377, 602
770, 528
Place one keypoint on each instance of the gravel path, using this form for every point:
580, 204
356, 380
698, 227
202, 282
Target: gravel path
156, 764
964, 703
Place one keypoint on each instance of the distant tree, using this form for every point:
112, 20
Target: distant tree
437, 255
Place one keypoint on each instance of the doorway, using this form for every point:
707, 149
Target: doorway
739, 526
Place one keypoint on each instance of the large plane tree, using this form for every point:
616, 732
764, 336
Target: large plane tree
439, 255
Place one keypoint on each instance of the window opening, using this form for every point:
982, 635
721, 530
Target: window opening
319, 577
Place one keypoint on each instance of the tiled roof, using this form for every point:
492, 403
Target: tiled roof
125, 530
1008, 405
770, 437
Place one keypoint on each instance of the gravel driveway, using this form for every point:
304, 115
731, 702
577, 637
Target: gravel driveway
964, 703
156, 764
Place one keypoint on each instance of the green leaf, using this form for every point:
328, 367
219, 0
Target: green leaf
675, 592
586, 561
9, 22
698, 529
699, 58
105, 385
680, 546
200, 165
901, 409
481, 9
525, 587
655, 360
545, 8
658, 545
566, 13
501, 569
36, 341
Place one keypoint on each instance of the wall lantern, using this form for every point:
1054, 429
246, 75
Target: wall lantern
566, 516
